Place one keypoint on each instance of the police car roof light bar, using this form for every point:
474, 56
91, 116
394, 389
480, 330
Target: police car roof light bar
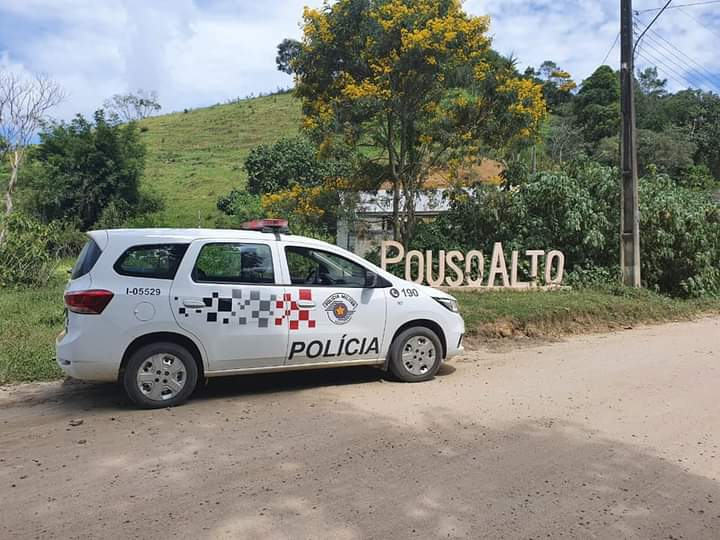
266, 225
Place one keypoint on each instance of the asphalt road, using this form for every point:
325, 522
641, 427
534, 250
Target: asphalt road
606, 436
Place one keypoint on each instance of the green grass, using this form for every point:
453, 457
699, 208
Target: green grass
195, 157
502, 314
31, 318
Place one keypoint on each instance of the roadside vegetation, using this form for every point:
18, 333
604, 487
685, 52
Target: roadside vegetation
513, 314
32, 318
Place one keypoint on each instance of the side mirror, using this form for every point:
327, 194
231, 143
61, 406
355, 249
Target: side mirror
371, 280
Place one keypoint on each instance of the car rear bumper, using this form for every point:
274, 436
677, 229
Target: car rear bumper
73, 359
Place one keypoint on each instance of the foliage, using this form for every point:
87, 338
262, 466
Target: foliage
669, 151
240, 204
577, 211
288, 50
558, 85
680, 239
698, 113
311, 210
597, 105
89, 172
563, 139
286, 163
133, 106
384, 75
28, 254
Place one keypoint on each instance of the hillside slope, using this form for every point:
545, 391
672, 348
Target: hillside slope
196, 156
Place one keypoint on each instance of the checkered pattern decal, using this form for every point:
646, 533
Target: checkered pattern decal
246, 307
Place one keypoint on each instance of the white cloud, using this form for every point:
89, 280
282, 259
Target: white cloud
199, 52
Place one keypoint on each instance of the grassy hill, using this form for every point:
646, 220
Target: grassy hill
196, 156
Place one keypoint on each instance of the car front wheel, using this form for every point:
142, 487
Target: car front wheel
160, 375
415, 355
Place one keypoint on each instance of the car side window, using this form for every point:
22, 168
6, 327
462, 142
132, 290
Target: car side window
151, 261
234, 263
321, 268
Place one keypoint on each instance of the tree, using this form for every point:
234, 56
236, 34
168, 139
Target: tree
698, 113
241, 205
558, 85
563, 139
289, 161
378, 77
669, 151
24, 104
133, 106
650, 84
597, 105
650, 94
88, 170
288, 50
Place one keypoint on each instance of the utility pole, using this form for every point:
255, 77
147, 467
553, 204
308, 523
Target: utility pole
629, 211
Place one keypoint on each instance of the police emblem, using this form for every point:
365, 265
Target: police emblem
339, 307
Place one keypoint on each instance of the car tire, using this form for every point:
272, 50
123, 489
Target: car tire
159, 375
415, 355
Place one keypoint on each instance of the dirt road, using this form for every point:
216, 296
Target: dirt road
607, 436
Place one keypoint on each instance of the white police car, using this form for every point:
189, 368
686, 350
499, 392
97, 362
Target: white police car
159, 309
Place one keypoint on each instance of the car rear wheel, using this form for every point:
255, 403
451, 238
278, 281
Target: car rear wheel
415, 355
160, 375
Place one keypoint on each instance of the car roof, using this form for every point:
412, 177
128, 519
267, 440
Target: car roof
158, 235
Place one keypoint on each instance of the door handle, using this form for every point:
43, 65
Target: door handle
306, 304
193, 303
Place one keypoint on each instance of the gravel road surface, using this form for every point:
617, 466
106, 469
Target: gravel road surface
603, 436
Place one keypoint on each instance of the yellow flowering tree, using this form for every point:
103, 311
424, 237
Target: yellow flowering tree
411, 85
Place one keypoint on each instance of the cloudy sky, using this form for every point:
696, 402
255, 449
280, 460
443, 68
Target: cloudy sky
201, 52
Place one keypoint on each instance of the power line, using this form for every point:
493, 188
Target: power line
668, 64
617, 38
679, 55
671, 73
706, 3
671, 51
698, 21
662, 10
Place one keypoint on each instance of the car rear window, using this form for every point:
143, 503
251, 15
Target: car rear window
86, 260
159, 261
234, 263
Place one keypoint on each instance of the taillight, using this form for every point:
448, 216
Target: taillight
91, 302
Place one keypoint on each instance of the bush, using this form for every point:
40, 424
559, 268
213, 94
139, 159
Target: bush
275, 167
578, 212
28, 251
89, 172
679, 239
241, 205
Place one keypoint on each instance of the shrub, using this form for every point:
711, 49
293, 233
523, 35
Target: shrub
83, 167
577, 211
28, 252
275, 167
679, 239
241, 205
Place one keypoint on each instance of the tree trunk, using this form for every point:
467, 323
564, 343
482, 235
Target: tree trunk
14, 166
534, 159
396, 210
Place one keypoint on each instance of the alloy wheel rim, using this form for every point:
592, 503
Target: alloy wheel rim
418, 355
161, 377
